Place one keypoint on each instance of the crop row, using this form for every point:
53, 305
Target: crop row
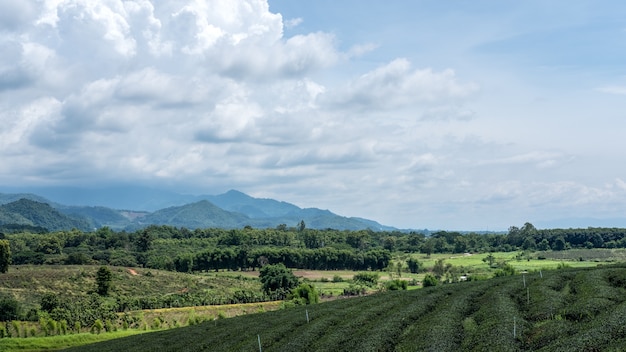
515, 313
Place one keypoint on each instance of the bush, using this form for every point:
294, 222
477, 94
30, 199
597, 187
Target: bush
354, 290
430, 280
9, 308
97, 327
305, 294
396, 285
337, 278
506, 270
277, 279
368, 279
414, 265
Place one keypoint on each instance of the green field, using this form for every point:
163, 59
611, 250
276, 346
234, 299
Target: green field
55, 343
29, 283
570, 309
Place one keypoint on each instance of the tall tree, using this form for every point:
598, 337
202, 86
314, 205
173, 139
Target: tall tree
103, 281
5, 256
144, 242
9, 308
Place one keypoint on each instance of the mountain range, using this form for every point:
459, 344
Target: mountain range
232, 209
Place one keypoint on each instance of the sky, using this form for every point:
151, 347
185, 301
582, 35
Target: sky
465, 115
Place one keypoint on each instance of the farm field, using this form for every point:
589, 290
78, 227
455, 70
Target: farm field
29, 283
471, 263
571, 309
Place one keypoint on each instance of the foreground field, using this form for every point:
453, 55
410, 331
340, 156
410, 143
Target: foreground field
55, 343
561, 310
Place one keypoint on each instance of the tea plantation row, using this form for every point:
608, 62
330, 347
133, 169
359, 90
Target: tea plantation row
561, 310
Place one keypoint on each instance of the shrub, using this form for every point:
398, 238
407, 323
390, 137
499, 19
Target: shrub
337, 278
97, 327
306, 294
277, 279
396, 285
414, 265
369, 279
506, 270
430, 280
354, 290
9, 308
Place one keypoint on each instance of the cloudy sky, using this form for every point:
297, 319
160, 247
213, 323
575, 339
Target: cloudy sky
418, 114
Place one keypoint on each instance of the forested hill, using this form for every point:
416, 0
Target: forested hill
28, 212
232, 209
202, 214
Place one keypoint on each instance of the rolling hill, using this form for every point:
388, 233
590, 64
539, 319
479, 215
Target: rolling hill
560, 310
32, 213
254, 208
202, 214
232, 209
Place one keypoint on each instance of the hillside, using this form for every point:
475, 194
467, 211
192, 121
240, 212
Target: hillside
562, 310
232, 209
99, 216
137, 285
252, 207
266, 213
202, 214
33, 213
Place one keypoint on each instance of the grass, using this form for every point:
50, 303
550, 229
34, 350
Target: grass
146, 321
572, 309
528, 261
174, 317
55, 343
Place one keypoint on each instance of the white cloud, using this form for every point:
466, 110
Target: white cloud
397, 85
619, 90
217, 92
293, 22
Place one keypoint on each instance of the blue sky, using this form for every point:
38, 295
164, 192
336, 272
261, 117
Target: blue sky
464, 115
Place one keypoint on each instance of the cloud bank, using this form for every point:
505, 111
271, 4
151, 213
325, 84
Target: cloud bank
204, 96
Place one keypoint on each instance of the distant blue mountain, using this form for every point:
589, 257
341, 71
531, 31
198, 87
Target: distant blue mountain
254, 208
134, 207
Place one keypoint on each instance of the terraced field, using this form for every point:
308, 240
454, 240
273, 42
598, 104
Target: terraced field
561, 310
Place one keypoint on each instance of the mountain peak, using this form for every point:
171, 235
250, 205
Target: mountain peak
233, 193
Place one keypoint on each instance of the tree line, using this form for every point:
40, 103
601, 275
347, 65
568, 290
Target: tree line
172, 248
241, 258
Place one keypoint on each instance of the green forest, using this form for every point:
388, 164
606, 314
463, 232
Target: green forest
184, 250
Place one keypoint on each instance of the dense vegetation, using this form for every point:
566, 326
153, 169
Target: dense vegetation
96, 293
561, 310
29, 214
84, 294
181, 249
